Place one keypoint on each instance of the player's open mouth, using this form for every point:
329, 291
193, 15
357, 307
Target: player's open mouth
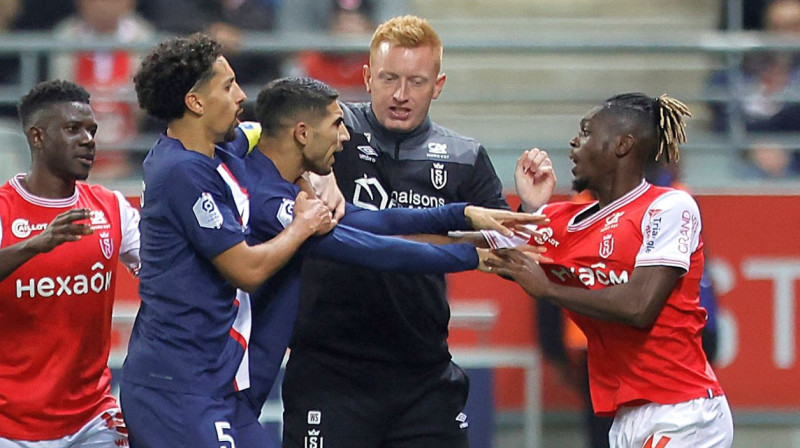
399, 113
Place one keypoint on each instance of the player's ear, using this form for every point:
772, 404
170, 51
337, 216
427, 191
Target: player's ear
439, 85
193, 102
300, 133
624, 144
35, 137
366, 73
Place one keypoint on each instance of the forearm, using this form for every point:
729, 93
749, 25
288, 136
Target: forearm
382, 253
12, 257
247, 267
609, 304
405, 221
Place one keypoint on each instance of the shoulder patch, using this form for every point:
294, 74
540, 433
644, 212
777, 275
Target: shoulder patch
286, 212
206, 212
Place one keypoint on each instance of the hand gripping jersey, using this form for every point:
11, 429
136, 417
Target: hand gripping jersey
391, 317
55, 312
275, 303
192, 329
649, 226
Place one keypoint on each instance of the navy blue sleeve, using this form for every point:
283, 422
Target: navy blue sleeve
408, 221
382, 253
201, 206
483, 188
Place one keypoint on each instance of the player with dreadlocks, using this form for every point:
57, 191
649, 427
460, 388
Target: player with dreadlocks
627, 270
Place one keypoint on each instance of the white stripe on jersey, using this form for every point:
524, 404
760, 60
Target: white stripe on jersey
242, 327
239, 194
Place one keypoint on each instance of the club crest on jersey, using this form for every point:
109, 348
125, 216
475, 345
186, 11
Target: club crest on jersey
438, 176
438, 151
106, 245
607, 246
206, 212
313, 439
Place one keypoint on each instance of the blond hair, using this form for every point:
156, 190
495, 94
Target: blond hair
407, 32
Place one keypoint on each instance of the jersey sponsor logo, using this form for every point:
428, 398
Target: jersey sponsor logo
651, 231
688, 226
370, 194
106, 245
21, 228
612, 222
314, 417
438, 176
412, 199
77, 285
286, 212
662, 443
545, 235
313, 439
592, 275
606, 246
206, 212
438, 151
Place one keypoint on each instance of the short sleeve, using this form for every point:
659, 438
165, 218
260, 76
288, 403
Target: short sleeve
670, 231
201, 203
129, 222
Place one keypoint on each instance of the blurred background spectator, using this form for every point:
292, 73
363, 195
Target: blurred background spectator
9, 64
106, 74
225, 20
766, 77
345, 71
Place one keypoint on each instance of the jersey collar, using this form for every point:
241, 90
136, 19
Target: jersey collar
16, 184
617, 204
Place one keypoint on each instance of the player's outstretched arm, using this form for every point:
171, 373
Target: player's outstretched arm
637, 302
534, 179
247, 267
502, 221
63, 229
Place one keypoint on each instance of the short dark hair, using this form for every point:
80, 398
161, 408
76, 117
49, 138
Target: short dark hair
287, 97
47, 93
170, 71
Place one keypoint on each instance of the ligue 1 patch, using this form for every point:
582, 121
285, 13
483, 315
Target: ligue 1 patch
206, 212
106, 245
286, 212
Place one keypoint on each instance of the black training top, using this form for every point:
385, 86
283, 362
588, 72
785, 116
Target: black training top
354, 314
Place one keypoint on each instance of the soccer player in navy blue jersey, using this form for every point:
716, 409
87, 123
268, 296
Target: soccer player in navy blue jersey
302, 129
187, 357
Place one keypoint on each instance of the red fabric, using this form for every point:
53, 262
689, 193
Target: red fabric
629, 366
55, 318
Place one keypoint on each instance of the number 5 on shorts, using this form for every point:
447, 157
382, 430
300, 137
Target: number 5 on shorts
221, 436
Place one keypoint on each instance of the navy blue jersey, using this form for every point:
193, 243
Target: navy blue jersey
192, 328
354, 241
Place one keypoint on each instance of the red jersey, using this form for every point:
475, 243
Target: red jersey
649, 226
55, 313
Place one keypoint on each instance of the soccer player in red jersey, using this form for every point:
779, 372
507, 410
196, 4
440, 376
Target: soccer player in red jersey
60, 242
627, 269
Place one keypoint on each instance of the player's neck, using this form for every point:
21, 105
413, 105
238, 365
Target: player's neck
619, 187
192, 137
47, 185
288, 160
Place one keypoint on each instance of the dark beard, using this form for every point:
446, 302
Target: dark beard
231, 134
578, 185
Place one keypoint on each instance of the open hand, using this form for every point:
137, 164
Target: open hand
63, 229
503, 221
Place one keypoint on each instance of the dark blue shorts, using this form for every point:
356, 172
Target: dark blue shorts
159, 418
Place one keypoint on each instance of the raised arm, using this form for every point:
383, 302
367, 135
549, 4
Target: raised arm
62, 230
